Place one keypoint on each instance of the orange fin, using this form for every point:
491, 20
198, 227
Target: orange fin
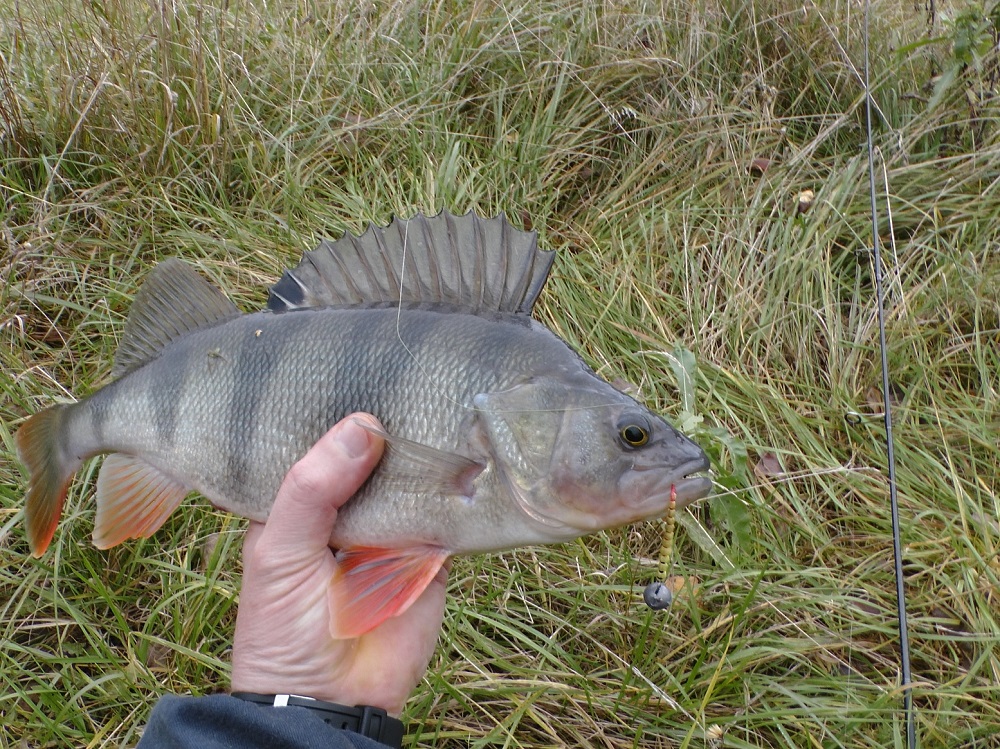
49, 473
372, 585
133, 500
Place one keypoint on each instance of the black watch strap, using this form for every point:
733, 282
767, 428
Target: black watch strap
366, 720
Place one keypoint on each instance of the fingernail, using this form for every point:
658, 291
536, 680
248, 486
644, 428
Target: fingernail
354, 439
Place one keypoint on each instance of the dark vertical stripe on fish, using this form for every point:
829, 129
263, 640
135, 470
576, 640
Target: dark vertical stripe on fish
257, 355
99, 410
400, 367
164, 397
371, 369
340, 376
491, 356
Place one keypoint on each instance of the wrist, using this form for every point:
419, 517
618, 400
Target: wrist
365, 720
341, 689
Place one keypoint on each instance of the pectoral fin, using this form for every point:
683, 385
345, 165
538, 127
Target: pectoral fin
133, 500
372, 585
414, 467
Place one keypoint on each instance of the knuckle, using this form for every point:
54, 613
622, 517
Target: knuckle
304, 480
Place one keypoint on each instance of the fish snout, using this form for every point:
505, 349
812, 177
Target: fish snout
691, 460
674, 466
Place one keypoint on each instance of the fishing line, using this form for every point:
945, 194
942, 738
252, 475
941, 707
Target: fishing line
430, 380
793, 476
659, 594
904, 643
399, 333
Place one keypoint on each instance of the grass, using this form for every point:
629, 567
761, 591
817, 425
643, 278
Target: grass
626, 134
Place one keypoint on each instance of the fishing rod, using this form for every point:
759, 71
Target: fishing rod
897, 552
658, 594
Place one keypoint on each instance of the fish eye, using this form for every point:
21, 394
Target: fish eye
634, 435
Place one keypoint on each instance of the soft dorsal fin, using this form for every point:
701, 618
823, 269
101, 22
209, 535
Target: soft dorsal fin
172, 302
475, 263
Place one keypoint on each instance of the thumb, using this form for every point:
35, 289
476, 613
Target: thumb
305, 508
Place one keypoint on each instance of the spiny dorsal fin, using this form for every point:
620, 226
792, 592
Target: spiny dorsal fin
479, 264
173, 301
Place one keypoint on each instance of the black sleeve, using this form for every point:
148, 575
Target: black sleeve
218, 721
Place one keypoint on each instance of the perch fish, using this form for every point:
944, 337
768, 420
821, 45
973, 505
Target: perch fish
498, 434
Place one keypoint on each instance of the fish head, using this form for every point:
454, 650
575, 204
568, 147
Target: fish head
579, 456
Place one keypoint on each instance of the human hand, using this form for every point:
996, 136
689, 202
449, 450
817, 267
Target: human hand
283, 643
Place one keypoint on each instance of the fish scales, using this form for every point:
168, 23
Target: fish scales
498, 434
234, 406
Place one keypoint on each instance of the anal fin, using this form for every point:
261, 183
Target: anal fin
134, 498
372, 585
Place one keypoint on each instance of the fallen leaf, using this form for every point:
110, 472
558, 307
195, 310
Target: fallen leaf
678, 584
208, 549
768, 465
875, 401
157, 657
624, 386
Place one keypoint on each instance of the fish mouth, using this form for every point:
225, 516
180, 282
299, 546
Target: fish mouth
691, 486
691, 489
685, 483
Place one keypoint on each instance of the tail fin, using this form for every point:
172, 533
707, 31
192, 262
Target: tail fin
49, 472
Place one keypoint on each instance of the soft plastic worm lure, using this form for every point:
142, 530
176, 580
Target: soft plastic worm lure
657, 594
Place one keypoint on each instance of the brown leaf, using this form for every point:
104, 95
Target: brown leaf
768, 465
208, 549
44, 332
158, 656
624, 386
874, 398
678, 584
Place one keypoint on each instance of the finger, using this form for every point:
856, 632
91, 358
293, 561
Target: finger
305, 508
250, 539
